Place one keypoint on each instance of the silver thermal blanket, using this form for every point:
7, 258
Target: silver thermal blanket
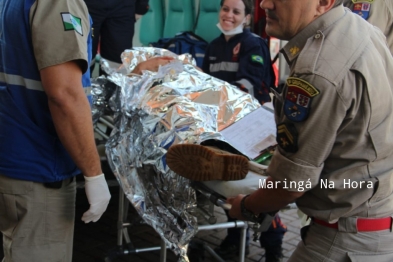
151, 112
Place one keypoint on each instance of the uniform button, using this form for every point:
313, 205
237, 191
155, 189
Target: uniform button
317, 36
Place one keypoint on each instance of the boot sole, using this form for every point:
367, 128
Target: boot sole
200, 163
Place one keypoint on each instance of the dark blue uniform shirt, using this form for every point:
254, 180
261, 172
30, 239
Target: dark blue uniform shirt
244, 61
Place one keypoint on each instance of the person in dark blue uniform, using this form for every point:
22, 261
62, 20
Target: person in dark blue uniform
113, 26
239, 56
243, 59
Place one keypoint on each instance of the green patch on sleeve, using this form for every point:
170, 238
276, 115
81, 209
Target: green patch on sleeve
257, 59
71, 22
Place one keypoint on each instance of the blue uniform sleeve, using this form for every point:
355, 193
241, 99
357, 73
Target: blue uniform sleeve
255, 71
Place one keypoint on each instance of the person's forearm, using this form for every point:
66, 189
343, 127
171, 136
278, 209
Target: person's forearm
73, 122
71, 115
270, 199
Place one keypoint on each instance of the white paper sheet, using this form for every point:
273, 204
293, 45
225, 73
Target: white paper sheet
253, 133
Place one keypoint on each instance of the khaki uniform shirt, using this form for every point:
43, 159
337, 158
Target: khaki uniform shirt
381, 15
334, 119
51, 25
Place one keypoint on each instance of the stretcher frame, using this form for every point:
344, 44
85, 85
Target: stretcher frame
127, 248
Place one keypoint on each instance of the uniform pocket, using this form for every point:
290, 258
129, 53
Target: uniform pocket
12, 210
13, 203
8, 213
380, 257
383, 188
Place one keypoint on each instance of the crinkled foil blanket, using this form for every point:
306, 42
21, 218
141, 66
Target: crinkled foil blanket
151, 112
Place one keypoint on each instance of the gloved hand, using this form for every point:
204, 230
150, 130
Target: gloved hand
98, 195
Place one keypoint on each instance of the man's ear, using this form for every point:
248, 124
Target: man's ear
324, 6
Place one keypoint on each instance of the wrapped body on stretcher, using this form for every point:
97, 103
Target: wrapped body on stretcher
153, 111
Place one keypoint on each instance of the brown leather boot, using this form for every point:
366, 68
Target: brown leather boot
203, 163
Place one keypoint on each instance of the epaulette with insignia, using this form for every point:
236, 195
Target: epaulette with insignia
298, 99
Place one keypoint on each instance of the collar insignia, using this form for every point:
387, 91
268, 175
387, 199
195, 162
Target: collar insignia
294, 50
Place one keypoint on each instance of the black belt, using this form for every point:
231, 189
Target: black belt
59, 184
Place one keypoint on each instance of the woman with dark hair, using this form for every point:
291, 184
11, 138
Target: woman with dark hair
237, 55
243, 59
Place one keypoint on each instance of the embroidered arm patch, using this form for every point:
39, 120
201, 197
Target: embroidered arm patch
298, 99
257, 59
362, 9
71, 22
287, 137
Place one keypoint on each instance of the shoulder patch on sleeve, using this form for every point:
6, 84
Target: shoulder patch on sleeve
287, 137
71, 22
361, 8
298, 99
257, 59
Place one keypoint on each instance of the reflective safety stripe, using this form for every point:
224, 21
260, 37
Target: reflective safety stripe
224, 66
21, 81
28, 83
244, 82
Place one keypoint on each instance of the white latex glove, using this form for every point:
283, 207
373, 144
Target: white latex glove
98, 195
137, 17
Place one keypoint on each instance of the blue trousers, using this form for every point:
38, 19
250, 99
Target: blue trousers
113, 27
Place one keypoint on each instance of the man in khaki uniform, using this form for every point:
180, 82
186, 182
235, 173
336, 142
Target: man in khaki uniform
46, 133
378, 13
334, 133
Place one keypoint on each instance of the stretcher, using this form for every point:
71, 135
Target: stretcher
216, 197
178, 104
215, 191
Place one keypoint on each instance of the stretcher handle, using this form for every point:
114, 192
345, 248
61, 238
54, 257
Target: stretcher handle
257, 168
221, 203
215, 198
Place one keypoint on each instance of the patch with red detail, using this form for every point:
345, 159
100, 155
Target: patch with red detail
298, 99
